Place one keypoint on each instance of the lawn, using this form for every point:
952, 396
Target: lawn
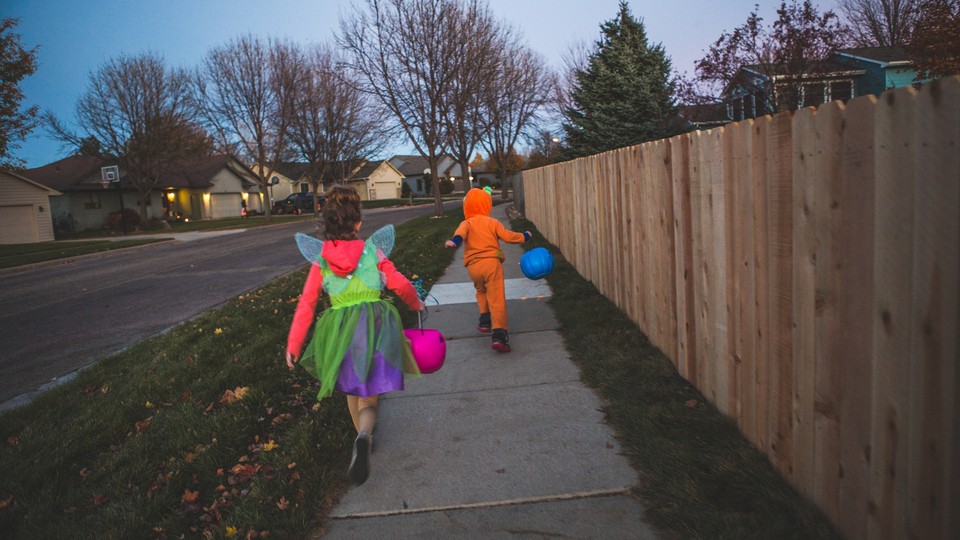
199, 432
20, 254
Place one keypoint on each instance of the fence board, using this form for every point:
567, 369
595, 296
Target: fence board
934, 314
894, 225
804, 290
686, 349
780, 197
828, 225
760, 377
854, 350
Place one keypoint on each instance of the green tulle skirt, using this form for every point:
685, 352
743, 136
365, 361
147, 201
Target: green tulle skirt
360, 350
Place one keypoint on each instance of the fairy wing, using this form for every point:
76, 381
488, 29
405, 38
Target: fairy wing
310, 247
383, 239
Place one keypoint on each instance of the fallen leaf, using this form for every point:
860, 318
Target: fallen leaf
282, 418
218, 331
188, 457
291, 465
143, 424
4, 503
230, 532
283, 504
104, 389
148, 405
84, 472
12, 441
189, 496
220, 472
691, 403
100, 500
270, 446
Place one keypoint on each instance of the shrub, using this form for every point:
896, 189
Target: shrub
446, 186
404, 190
131, 219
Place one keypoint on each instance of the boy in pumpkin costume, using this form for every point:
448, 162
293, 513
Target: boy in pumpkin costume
480, 235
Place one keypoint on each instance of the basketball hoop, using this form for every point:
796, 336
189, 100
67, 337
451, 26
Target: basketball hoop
109, 175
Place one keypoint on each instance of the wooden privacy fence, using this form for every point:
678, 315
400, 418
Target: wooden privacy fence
802, 271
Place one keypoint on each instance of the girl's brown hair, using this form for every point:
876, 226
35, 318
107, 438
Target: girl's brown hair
341, 213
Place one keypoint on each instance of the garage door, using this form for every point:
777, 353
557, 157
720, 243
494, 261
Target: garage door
225, 205
18, 225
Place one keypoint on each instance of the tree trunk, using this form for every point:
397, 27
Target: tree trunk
435, 179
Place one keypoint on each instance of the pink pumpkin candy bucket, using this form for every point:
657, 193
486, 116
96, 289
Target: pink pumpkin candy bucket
428, 346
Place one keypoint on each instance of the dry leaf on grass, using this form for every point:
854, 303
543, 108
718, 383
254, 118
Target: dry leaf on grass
189, 496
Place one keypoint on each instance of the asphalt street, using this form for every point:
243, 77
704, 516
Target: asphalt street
57, 319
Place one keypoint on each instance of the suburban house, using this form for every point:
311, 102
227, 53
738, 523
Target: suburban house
25, 215
847, 74
376, 180
414, 169
282, 184
202, 188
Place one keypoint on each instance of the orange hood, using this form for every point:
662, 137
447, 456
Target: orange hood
477, 202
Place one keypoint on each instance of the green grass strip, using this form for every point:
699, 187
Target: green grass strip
12, 255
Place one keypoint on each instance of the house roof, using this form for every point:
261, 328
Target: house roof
335, 171
69, 174
83, 172
819, 69
410, 165
878, 55
200, 172
31, 182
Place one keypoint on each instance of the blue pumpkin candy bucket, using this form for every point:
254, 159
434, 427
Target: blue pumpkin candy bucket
536, 263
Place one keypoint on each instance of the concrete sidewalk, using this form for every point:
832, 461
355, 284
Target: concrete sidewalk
494, 445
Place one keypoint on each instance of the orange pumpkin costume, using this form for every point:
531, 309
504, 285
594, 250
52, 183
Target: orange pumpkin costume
481, 235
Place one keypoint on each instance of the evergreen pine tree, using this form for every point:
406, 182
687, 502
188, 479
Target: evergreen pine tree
624, 95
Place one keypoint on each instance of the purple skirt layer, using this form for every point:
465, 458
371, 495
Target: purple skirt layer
382, 378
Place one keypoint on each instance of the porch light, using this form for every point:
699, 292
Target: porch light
170, 196
206, 198
246, 196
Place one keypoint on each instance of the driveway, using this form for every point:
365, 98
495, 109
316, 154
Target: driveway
60, 318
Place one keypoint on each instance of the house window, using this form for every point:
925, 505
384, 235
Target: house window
738, 109
420, 184
841, 90
813, 94
92, 202
304, 188
373, 194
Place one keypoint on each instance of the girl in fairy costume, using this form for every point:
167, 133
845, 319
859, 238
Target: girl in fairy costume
358, 346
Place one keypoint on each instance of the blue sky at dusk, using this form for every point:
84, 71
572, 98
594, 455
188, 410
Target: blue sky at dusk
76, 37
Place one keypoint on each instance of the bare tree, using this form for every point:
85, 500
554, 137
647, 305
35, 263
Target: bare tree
334, 122
407, 53
794, 46
884, 23
481, 37
514, 103
247, 92
140, 113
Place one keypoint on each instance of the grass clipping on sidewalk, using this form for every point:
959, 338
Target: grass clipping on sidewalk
699, 477
201, 432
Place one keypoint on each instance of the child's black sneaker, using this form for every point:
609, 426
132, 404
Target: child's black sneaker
360, 462
500, 341
484, 325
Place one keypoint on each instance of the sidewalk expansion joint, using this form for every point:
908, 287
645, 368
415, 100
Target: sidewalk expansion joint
492, 504
399, 396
